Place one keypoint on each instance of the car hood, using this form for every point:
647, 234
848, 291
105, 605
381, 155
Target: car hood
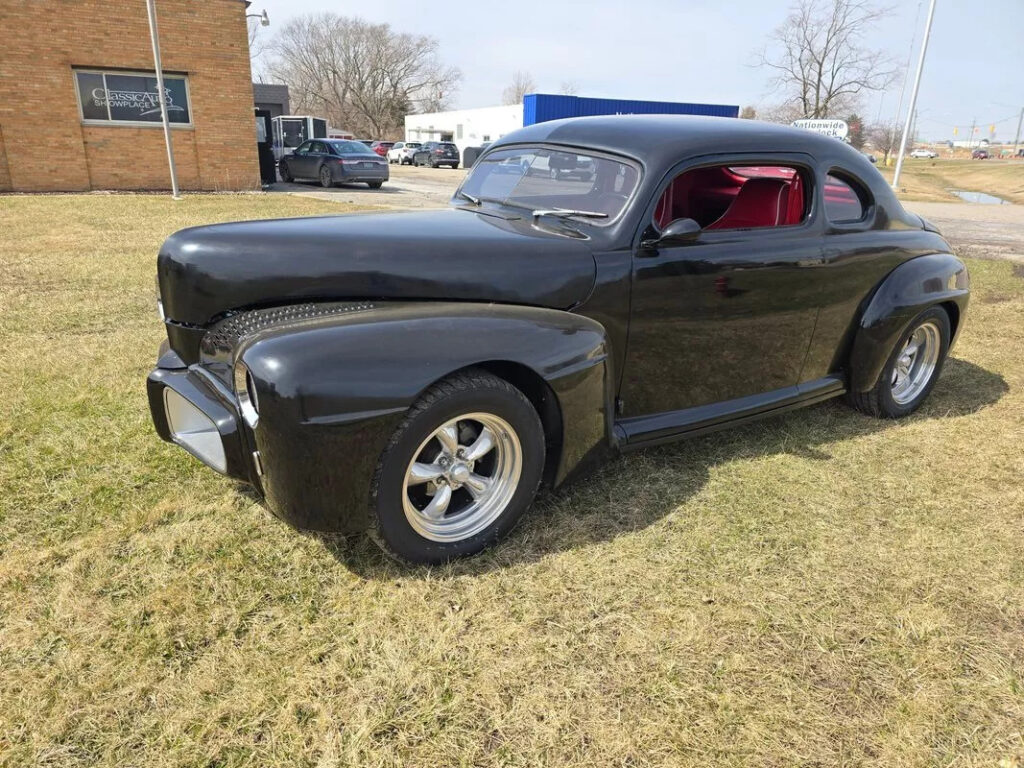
205, 272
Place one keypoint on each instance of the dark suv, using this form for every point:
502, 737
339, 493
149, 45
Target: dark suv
437, 153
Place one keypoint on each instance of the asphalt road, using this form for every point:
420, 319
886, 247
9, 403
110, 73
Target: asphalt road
409, 187
984, 231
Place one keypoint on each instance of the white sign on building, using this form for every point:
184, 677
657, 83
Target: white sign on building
836, 128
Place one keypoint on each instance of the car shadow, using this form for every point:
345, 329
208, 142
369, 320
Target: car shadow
601, 506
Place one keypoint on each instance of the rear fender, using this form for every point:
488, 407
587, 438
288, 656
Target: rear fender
908, 290
332, 390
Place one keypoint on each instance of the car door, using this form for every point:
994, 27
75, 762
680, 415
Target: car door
318, 152
298, 161
726, 313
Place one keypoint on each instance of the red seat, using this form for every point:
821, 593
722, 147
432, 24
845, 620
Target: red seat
761, 202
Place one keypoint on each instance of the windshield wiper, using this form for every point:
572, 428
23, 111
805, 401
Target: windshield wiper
566, 212
467, 196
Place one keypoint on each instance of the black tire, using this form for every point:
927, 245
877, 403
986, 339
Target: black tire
286, 175
374, 184
433, 163
469, 392
879, 400
326, 180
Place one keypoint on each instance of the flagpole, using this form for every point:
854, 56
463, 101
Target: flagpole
913, 95
162, 95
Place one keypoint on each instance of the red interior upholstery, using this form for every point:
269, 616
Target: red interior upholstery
761, 202
774, 196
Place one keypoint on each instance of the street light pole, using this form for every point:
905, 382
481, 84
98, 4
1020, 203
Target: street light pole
913, 95
1016, 141
162, 95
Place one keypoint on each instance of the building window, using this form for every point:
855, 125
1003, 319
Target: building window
131, 97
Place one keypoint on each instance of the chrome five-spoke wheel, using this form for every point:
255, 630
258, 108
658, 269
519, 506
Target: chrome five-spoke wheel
460, 470
915, 363
462, 477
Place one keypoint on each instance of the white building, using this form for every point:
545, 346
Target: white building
465, 127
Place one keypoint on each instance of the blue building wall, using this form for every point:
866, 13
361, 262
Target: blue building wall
541, 107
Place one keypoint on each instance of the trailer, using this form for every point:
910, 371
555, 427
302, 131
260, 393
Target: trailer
290, 131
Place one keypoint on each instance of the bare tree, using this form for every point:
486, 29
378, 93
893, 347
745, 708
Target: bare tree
821, 60
748, 113
569, 88
884, 137
361, 76
522, 84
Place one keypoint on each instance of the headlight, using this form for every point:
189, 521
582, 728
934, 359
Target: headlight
245, 391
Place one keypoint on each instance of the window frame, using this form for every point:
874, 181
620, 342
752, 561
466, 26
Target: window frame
860, 189
183, 76
798, 160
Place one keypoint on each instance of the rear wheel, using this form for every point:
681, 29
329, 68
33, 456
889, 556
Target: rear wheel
374, 184
326, 180
911, 370
459, 471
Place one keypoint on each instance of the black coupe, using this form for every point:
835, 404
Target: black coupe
419, 375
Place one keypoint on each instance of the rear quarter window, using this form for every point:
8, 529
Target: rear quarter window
846, 200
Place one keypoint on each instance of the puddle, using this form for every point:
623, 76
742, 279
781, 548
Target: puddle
979, 197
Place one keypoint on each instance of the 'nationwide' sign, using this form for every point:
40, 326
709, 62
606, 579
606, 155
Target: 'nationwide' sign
836, 128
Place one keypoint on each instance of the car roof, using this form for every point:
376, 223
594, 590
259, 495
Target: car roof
655, 137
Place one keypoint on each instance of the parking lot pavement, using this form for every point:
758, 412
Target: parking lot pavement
408, 188
982, 231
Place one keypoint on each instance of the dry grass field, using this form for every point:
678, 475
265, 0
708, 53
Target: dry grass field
818, 589
931, 180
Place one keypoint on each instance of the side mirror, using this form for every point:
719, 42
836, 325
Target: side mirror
678, 231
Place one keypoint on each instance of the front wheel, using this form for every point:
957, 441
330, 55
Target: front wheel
911, 370
459, 471
286, 175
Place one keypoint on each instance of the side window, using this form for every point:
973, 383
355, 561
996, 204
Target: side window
736, 197
846, 202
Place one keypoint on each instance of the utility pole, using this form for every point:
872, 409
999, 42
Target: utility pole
970, 136
913, 95
162, 94
1016, 141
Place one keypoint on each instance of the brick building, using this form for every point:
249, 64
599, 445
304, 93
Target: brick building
79, 106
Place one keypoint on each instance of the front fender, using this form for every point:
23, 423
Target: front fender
907, 291
331, 391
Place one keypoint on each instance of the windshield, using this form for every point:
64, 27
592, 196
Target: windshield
350, 148
543, 179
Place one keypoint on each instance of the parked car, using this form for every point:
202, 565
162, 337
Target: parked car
925, 153
401, 153
332, 161
980, 154
436, 154
419, 374
382, 147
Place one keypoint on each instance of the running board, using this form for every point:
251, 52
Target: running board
643, 431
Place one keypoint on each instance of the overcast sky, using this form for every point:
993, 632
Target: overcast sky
702, 50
